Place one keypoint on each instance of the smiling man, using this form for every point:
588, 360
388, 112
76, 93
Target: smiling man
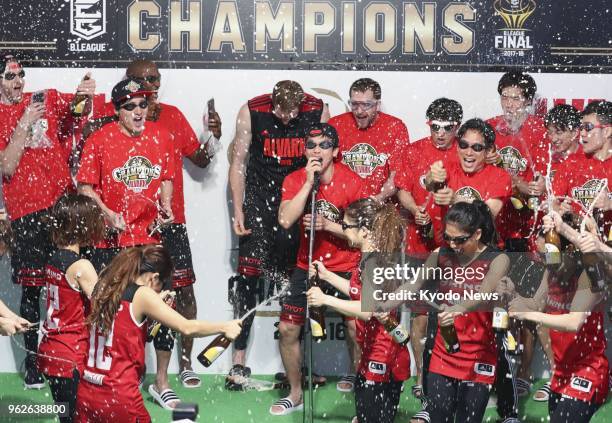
339, 187
127, 167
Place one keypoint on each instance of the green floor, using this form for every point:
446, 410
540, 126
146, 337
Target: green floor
218, 405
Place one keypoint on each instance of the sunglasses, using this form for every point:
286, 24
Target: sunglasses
463, 144
364, 105
346, 226
151, 79
458, 240
9, 76
447, 128
323, 145
589, 126
131, 106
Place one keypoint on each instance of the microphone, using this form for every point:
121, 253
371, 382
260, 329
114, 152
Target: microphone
317, 177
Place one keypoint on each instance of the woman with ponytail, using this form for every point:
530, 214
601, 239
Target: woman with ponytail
125, 296
377, 230
460, 374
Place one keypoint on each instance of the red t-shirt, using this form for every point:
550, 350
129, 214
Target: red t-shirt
581, 179
42, 174
520, 152
477, 356
185, 143
127, 172
381, 357
419, 157
331, 201
581, 366
374, 152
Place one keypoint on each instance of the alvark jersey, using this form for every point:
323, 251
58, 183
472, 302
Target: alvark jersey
276, 149
581, 366
477, 356
374, 152
520, 152
331, 200
108, 390
419, 156
42, 174
64, 343
381, 357
128, 172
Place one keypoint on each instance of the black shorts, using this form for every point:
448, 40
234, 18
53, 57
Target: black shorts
176, 241
269, 247
452, 400
563, 409
376, 402
293, 305
32, 248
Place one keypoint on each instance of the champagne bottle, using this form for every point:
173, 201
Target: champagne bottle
396, 330
449, 335
213, 350
317, 316
80, 102
552, 244
595, 271
533, 202
503, 323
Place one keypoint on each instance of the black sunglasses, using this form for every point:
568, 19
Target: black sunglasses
458, 240
447, 128
463, 144
131, 106
589, 126
151, 79
346, 226
9, 76
323, 145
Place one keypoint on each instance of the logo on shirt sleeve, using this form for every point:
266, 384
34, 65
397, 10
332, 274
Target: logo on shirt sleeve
588, 191
467, 194
512, 160
363, 159
137, 173
328, 210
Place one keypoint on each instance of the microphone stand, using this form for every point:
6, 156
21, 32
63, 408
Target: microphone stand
313, 221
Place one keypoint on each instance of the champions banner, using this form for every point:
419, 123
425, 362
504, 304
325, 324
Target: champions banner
485, 35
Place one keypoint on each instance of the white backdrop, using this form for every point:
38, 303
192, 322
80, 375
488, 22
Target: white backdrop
404, 94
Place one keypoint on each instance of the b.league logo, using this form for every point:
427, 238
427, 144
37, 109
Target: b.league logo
87, 18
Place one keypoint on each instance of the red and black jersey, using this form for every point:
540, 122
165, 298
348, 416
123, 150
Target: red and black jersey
521, 151
382, 359
581, 366
332, 198
277, 149
42, 174
418, 159
64, 343
477, 356
108, 390
374, 152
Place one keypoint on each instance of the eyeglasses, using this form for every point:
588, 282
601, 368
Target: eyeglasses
447, 128
151, 79
131, 106
323, 145
346, 226
463, 144
589, 126
9, 76
363, 105
457, 240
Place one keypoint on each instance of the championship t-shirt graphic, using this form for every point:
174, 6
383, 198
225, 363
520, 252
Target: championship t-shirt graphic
328, 210
586, 193
137, 173
363, 159
467, 194
512, 160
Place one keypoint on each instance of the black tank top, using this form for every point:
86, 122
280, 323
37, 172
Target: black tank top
276, 149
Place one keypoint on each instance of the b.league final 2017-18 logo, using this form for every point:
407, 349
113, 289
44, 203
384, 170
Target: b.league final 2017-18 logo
87, 18
514, 39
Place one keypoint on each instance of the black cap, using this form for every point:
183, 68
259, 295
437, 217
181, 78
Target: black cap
127, 89
326, 130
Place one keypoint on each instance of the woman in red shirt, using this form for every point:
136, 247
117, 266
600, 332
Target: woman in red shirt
375, 229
